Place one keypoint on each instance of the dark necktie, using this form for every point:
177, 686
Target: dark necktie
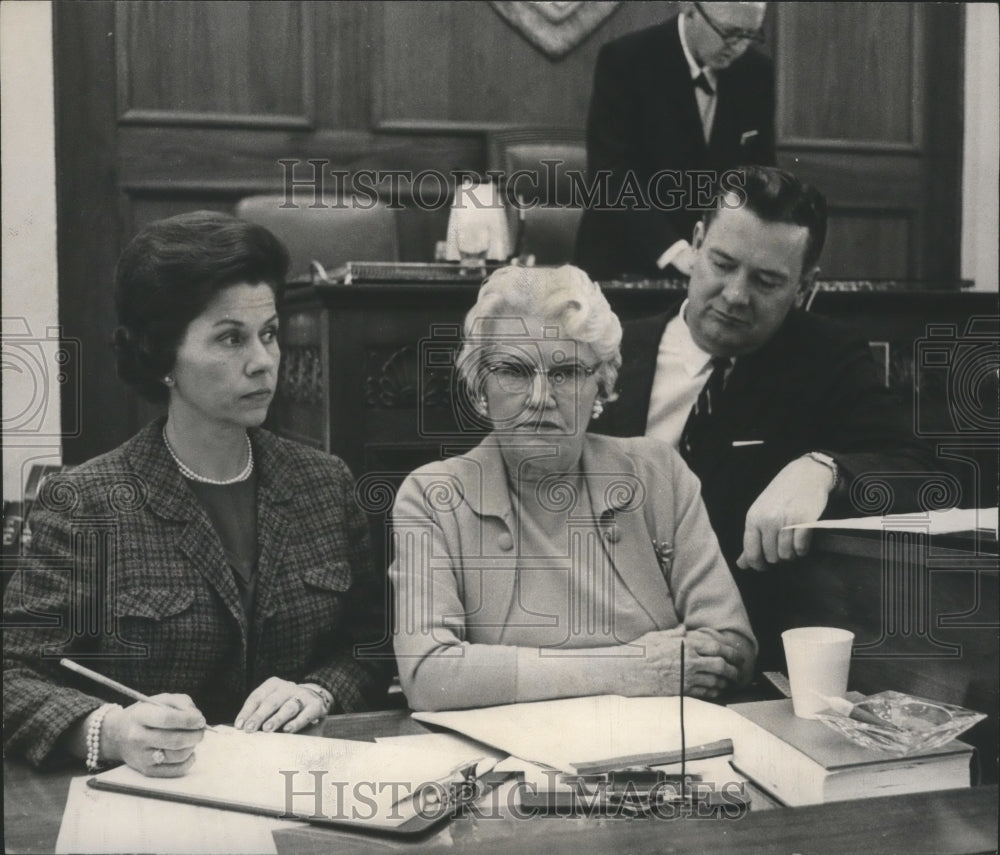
701, 82
692, 436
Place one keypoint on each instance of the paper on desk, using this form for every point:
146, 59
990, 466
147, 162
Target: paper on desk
574, 731
448, 744
97, 821
362, 782
933, 522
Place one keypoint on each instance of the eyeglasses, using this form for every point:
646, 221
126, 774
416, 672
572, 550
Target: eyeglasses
517, 377
731, 35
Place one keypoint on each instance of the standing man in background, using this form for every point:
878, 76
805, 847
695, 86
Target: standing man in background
673, 106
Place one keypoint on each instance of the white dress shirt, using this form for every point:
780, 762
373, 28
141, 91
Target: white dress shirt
706, 102
682, 369
706, 108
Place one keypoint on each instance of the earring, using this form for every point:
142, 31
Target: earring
168, 380
481, 403
597, 409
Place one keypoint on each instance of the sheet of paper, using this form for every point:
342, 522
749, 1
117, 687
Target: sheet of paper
568, 732
520, 766
96, 821
309, 776
933, 522
448, 744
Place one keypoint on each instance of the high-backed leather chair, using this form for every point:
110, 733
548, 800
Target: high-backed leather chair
539, 163
347, 230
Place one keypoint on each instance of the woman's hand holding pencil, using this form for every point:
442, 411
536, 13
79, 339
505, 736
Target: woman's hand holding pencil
156, 735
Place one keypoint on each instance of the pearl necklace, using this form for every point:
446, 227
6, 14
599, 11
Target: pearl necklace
188, 472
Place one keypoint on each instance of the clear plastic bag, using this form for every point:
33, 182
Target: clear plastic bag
898, 723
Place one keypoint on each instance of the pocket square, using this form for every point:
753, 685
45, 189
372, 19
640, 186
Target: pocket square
747, 136
739, 443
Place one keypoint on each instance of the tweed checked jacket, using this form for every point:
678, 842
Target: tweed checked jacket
127, 574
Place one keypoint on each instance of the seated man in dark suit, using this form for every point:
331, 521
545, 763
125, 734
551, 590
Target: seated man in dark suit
673, 106
777, 411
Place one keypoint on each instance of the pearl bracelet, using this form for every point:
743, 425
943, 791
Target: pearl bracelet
94, 736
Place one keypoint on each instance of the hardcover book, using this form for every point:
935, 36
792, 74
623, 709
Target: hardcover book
804, 762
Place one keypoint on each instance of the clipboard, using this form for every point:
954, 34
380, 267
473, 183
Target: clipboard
326, 782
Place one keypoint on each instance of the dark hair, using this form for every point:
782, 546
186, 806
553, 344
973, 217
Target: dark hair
169, 273
776, 196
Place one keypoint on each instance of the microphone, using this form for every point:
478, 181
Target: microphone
683, 737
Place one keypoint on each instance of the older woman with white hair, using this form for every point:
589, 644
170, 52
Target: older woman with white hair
548, 562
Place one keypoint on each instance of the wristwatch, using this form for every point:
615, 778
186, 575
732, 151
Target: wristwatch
829, 463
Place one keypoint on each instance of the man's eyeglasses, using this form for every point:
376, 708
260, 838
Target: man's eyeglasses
731, 35
516, 377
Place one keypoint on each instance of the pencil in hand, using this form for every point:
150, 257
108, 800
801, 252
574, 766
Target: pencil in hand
121, 688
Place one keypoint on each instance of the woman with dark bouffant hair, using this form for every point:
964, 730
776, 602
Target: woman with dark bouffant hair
206, 562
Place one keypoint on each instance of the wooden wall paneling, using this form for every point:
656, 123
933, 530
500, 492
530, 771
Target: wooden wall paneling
890, 131
176, 169
857, 90
413, 83
875, 208
192, 159
97, 413
868, 244
345, 48
140, 209
856, 179
216, 63
940, 239
474, 70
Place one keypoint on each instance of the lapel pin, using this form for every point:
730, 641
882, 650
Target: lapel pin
664, 550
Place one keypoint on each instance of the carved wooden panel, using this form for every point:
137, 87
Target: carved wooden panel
215, 63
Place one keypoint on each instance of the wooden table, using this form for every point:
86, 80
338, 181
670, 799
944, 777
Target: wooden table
962, 821
950, 823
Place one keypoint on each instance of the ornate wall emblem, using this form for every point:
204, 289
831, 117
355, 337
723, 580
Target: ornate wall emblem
554, 27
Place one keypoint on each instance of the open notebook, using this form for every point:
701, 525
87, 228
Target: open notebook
382, 787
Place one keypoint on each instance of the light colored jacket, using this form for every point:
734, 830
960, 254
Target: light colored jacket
456, 566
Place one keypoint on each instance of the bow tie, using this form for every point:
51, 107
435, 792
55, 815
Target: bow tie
701, 82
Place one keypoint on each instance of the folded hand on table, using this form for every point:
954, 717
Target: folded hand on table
711, 662
158, 741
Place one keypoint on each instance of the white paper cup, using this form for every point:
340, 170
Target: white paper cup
818, 659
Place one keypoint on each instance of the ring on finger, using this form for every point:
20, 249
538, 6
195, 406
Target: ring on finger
298, 702
159, 757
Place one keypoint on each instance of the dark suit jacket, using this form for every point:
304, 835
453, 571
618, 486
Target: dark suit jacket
644, 118
160, 610
812, 387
